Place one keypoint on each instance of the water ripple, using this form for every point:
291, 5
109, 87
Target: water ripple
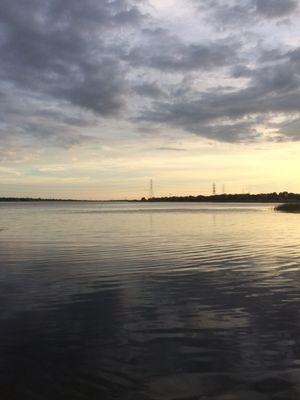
132, 301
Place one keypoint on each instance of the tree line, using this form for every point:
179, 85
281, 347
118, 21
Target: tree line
274, 197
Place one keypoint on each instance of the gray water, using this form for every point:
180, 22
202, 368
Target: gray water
149, 301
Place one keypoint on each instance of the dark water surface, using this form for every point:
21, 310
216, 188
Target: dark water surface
149, 301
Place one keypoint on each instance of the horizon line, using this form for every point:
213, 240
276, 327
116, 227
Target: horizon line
284, 194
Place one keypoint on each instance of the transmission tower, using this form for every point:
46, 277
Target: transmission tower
223, 189
151, 190
214, 191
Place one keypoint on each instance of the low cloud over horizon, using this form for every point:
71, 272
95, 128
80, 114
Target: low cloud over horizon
98, 96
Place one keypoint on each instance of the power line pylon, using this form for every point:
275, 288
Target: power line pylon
214, 191
151, 190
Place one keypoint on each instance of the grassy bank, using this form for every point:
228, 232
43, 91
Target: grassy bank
289, 207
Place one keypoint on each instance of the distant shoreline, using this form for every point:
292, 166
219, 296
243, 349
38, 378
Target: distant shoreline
37, 200
282, 197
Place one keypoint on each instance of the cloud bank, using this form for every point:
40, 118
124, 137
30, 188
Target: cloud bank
70, 68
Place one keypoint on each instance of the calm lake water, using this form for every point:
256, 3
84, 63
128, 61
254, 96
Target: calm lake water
149, 301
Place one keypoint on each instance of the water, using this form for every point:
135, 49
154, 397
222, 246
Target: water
149, 301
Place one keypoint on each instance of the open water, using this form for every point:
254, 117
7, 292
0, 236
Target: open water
161, 301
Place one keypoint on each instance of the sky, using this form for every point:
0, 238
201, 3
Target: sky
97, 97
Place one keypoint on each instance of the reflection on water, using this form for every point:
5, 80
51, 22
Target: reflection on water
149, 301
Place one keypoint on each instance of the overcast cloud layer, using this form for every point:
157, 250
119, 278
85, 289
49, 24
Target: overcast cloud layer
74, 71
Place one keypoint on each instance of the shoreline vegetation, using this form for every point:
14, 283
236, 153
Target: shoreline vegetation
288, 207
293, 199
282, 197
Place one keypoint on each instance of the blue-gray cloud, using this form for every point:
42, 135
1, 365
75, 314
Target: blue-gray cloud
65, 66
58, 49
232, 116
229, 14
161, 51
149, 89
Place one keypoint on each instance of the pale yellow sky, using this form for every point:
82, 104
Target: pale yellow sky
251, 168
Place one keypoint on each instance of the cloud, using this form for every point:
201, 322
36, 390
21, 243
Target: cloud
149, 89
165, 52
170, 148
233, 116
30, 122
60, 68
59, 50
275, 8
9, 171
52, 168
69, 68
227, 13
290, 131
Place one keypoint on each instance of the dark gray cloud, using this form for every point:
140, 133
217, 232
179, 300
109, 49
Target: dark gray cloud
232, 116
58, 59
166, 52
35, 121
275, 8
149, 89
234, 13
59, 49
290, 131
65, 65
